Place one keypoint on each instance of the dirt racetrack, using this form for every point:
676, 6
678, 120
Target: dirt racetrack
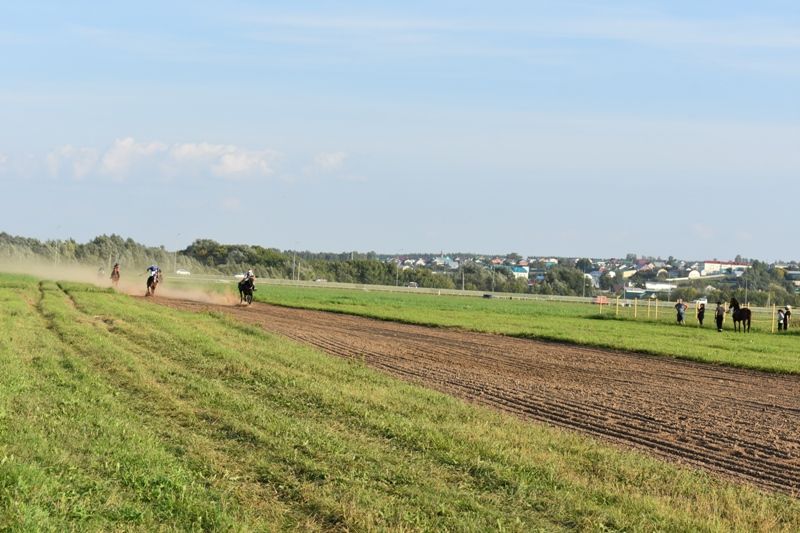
739, 423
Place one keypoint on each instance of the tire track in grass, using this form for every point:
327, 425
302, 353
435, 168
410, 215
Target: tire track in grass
245, 431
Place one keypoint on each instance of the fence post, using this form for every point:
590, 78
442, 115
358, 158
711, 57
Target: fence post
617, 313
656, 304
648, 309
635, 306
774, 317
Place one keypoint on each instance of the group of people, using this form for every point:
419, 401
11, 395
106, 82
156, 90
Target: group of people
719, 315
681, 307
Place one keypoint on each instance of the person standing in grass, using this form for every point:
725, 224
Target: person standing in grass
787, 312
719, 315
781, 317
701, 313
680, 308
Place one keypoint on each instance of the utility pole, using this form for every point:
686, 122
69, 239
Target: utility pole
176, 252
745, 291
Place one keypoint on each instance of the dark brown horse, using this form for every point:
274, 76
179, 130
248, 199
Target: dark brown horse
152, 283
246, 288
115, 275
740, 314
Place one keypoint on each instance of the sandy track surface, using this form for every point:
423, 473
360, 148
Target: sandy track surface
740, 423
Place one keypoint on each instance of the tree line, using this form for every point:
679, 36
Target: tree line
209, 256
101, 252
758, 285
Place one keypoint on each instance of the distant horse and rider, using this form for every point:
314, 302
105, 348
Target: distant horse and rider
246, 288
741, 316
153, 279
115, 275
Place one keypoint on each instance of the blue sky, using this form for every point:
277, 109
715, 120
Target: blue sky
546, 128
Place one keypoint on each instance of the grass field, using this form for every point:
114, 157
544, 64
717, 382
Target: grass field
555, 321
116, 413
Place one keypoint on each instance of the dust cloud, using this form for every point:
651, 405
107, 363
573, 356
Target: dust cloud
132, 283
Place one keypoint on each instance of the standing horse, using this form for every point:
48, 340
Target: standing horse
246, 288
740, 314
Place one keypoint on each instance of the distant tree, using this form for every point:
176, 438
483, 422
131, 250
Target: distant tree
568, 281
584, 265
607, 281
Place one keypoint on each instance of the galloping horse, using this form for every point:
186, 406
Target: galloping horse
152, 283
115, 275
246, 288
740, 314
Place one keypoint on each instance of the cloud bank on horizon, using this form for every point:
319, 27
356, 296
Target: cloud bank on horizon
663, 128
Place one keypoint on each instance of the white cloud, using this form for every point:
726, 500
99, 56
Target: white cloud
76, 162
194, 151
124, 154
242, 163
129, 158
225, 160
330, 160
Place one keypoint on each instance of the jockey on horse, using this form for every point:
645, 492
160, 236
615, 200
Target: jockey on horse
115, 275
247, 286
154, 276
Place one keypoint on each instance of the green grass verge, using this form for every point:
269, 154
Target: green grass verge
118, 414
555, 321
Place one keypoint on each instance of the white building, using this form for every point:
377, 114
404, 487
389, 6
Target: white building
721, 267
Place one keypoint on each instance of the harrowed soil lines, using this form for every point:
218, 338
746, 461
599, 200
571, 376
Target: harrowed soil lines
740, 423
